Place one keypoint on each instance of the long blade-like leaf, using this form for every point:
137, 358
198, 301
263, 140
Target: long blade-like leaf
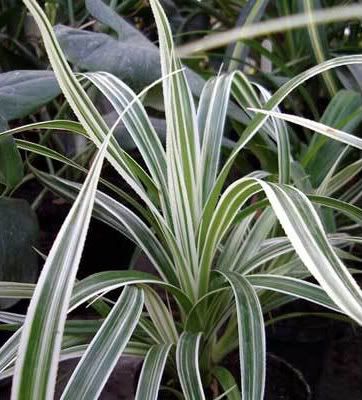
304, 229
38, 354
317, 127
151, 374
187, 358
97, 363
251, 337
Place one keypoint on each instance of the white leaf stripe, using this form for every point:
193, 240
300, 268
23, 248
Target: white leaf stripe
151, 374
323, 129
304, 230
211, 116
161, 316
187, 359
86, 112
293, 287
110, 280
182, 150
137, 124
102, 354
251, 337
122, 218
42, 332
258, 121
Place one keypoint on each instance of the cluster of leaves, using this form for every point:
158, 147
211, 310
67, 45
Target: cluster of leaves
226, 255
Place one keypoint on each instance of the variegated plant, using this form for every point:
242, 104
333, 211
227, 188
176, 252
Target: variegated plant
221, 257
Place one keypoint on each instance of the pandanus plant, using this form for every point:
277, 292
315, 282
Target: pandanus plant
222, 262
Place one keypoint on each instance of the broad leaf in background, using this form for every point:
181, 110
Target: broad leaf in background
18, 234
132, 58
22, 92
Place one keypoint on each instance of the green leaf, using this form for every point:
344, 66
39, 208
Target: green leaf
251, 12
343, 112
97, 363
319, 42
11, 164
251, 337
227, 382
187, 359
151, 374
63, 125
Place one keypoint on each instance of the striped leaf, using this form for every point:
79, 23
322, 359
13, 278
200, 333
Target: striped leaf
151, 374
102, 354
182, 145
64, 125
124, 220
86, 112
187, 359
251, 337
103, 282
293, 287
323, 129
211, 116
161, 316
42, 332
257, 122
304, 230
